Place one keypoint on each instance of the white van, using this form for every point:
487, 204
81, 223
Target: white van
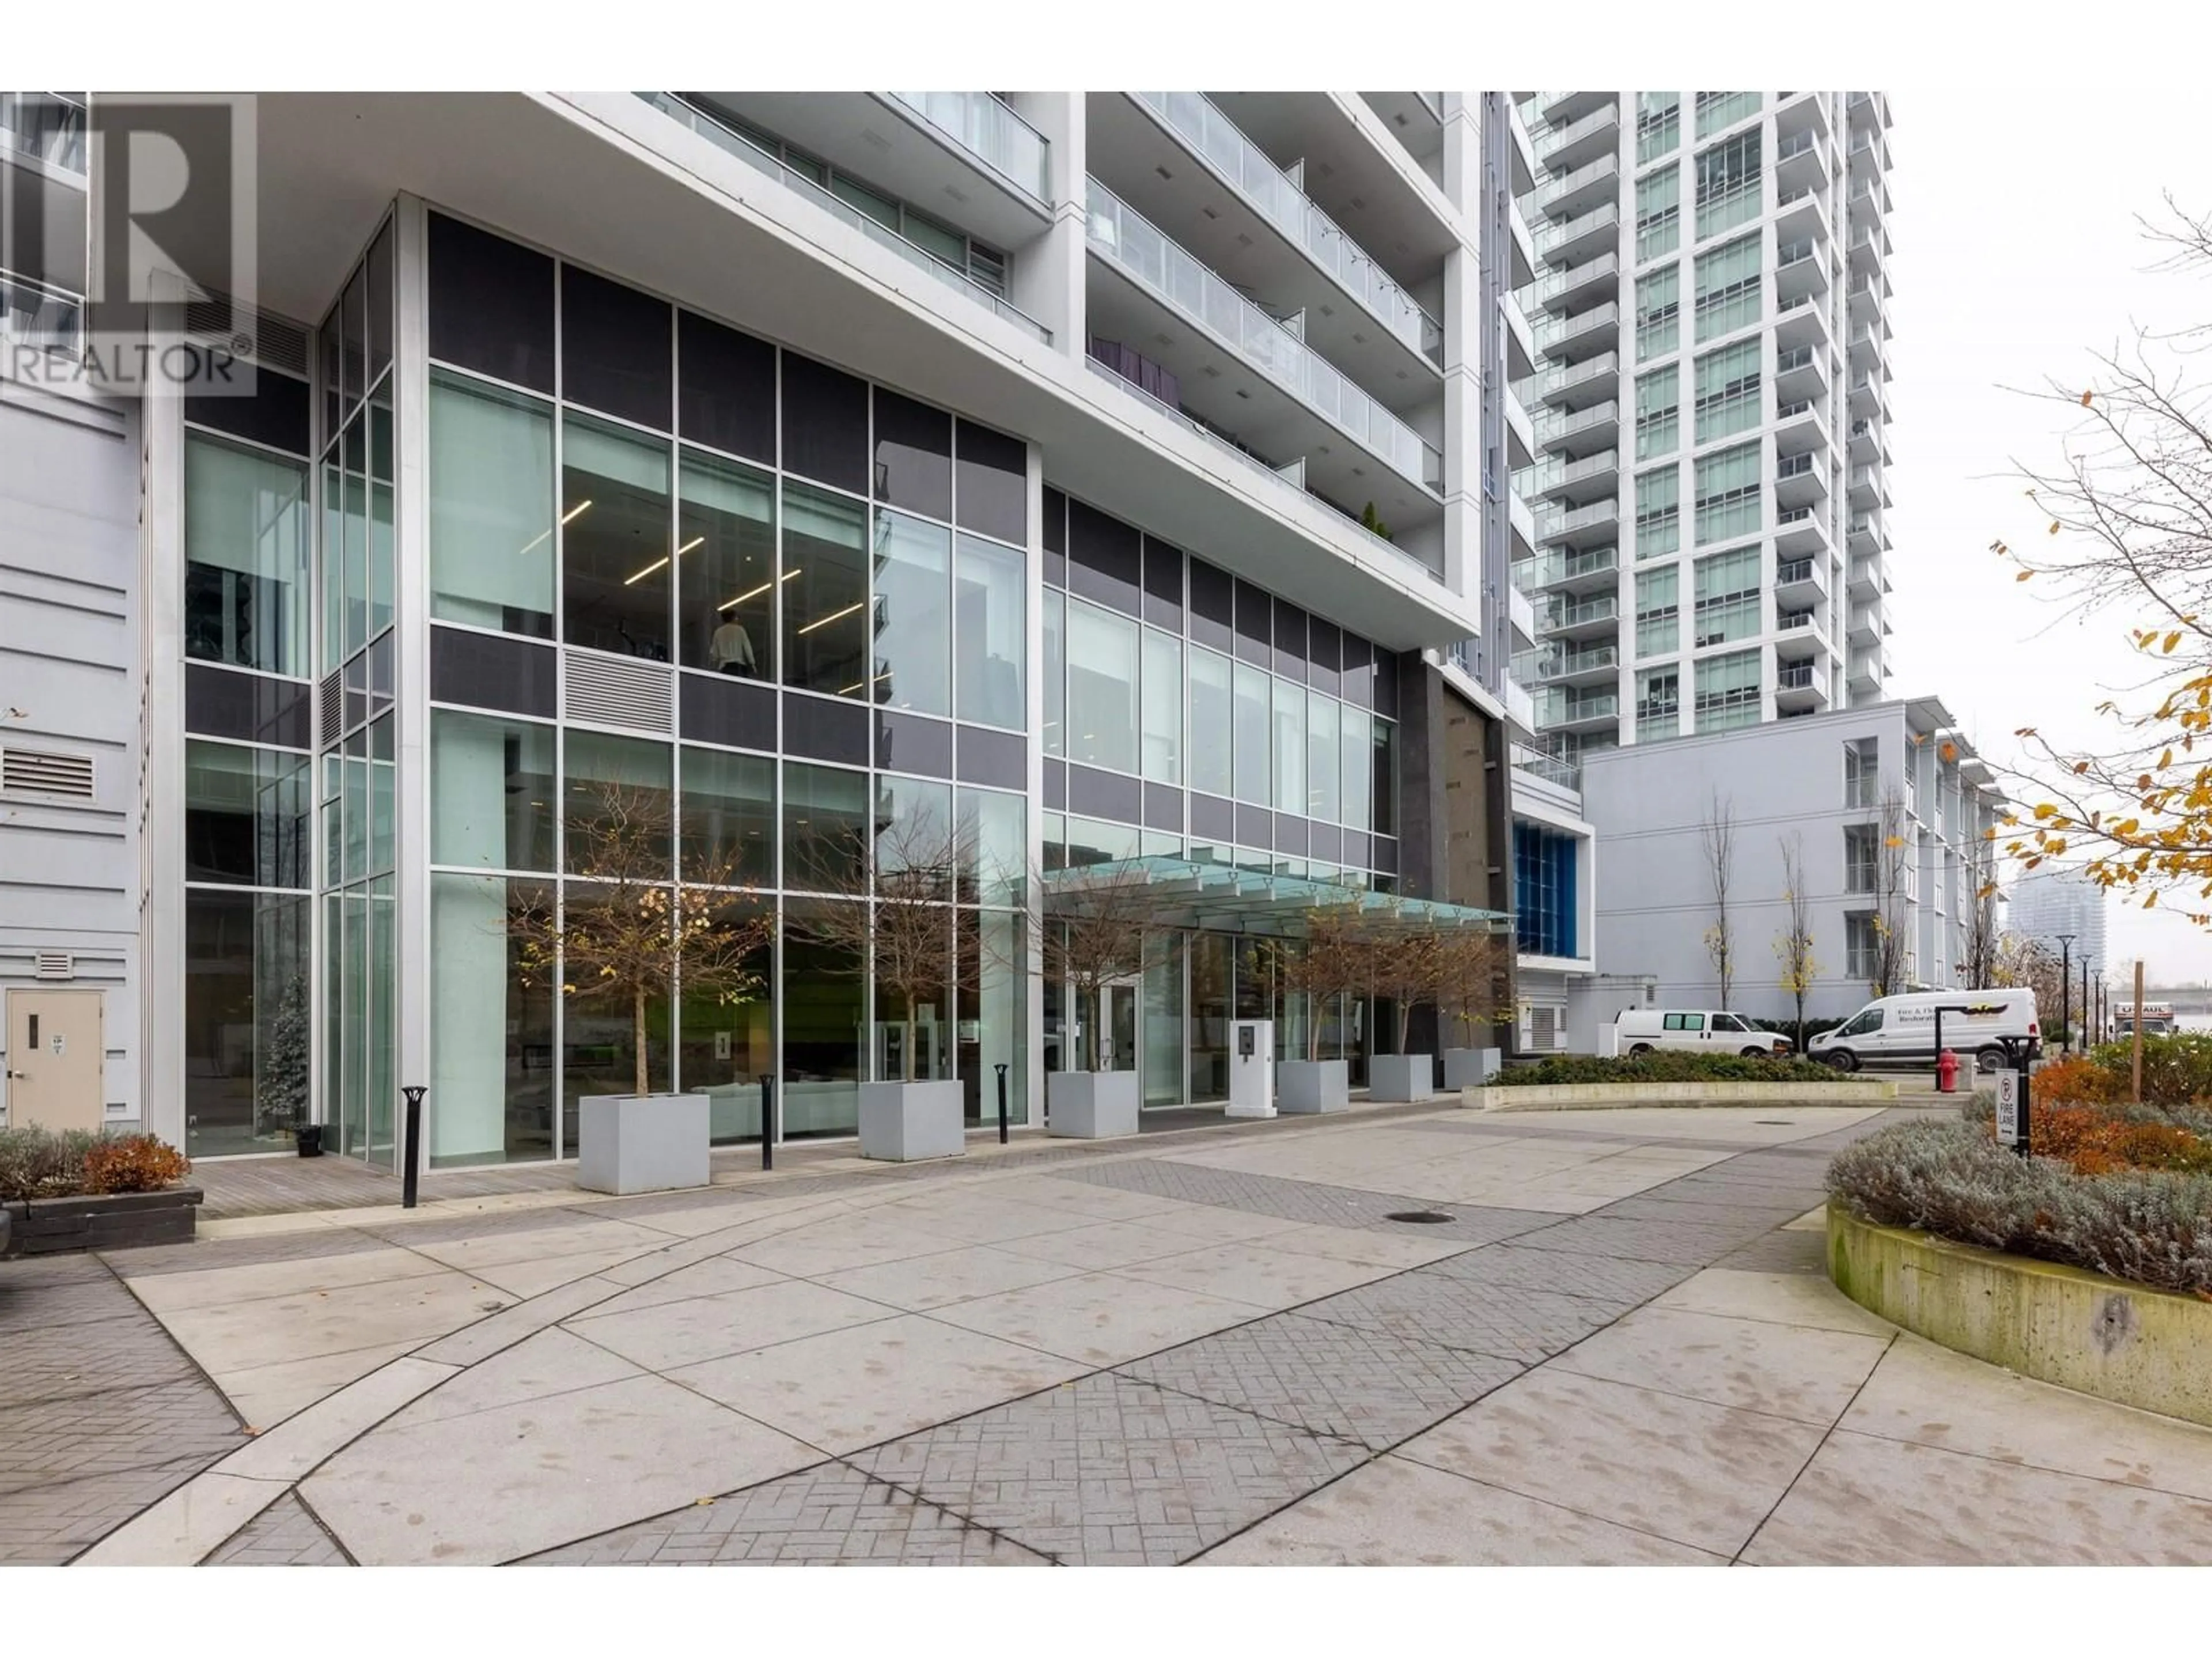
1901, 1030
1701, 1030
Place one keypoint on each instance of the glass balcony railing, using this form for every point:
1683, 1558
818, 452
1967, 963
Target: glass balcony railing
1553, 330
1132, 242
736, 144
33, 315
1559, 189
1557, 425
49, 125
1200, 123
992, 134
1583, 224
1575, 276
1575, 616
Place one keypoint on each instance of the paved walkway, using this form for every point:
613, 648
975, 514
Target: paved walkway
1221, 1348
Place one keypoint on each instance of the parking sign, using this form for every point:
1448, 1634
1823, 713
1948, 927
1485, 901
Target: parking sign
2009, 1109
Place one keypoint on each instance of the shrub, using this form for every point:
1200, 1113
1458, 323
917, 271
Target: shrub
1949, 1178
133, 1164
1670, 1066
2176, 1070
37, 1163
2081, 1079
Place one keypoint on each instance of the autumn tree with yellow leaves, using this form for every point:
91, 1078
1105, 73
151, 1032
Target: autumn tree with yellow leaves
2129, 516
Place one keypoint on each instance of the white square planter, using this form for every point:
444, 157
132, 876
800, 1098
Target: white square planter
1091, 1105
1397, 1078
1311, 1085
641, 1143
1470, 1069
905, 1122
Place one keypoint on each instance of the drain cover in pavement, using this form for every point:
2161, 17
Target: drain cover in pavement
1425, 1216
1776, 1123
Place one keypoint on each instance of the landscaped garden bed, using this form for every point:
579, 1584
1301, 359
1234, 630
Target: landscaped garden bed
76, 1191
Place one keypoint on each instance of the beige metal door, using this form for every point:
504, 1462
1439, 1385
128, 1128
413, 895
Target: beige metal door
57, 1059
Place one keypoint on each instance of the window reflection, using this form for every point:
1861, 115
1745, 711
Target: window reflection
825, 581
725, 567
615, 553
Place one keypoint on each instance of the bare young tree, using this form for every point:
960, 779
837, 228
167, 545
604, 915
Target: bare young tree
1717, 835
1408, 966
1979, 943
633, 934
1476, 981
892, 904
1793, 944
2018, 960
1892, 923
1330, 960
1101, 924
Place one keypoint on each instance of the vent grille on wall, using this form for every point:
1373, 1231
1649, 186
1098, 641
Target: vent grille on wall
330, 705
46, 773
266, 337
1543, 1029
56, 964
616, 691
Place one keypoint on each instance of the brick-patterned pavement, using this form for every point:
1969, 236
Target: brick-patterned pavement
285, 1534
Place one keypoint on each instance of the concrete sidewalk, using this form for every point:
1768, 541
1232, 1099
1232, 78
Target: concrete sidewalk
1618, 1347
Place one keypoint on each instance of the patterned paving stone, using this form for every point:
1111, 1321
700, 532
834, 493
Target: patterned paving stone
1359, 1384
1801, 1252
1507, 1320
205, 1253
1309, 1201
831, 1515
1684, 1243
1112, 1471
1619, 1285
285, 1534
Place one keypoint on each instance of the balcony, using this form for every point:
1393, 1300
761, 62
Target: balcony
1522, 269
1869, 250
1520, 338
1582, 619
1866, 398
1799, 112
1800, 687
1521, 616
1801, 267
1866, 488
1552, 768
1801, 216
1799, 374
1863, 540
1558, 109
1868, 112
47, 126
37, 318
1866, 348
1573, 385
1566, 339
728, 139
1800, 532
1569, 571
1581, 141
1800, 162
1865, 679
1802, 321
1800, 427
1865, 583
1568, 194
1578, 285
1520, 708
1800, 480
1562, 710
1520, 431
1866, 443
1581, 237
1798, 634
1799, 583
1580, 526
1206, 132
1578, 431
991, 133
1523, 146
1559, 479
1522, 518
1590, 666
1124, 239
1865, 627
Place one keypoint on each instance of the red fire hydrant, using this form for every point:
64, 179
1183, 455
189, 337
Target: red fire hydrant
1946, 1073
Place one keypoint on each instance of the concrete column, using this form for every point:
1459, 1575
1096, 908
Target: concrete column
160, 981
412, 642
1048, 274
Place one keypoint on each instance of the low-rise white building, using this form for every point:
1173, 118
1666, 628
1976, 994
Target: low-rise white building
1889, 808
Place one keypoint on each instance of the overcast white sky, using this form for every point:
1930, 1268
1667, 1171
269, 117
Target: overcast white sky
2016, 254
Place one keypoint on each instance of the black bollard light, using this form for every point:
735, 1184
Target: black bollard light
411, 1174
768, 1120
1002, 1103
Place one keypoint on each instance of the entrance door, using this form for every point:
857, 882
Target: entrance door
57, 1059
1117, 1031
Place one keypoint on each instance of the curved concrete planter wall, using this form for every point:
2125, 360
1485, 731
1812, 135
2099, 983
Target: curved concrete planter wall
2123, 1342
1591, 1096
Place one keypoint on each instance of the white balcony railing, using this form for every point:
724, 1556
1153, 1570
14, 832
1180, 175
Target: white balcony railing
1133, 243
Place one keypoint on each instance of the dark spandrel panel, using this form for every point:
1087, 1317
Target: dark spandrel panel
278, 414
1056, 786
1211, 818
1163, 807
909, 743
1212, 606
913, 455
997, 758
1162, 583
1354, 856
1324, 655
491, 305
614, 346
219, 703
1056, 522
1255, 625
1388, 666
1325, 841
1105, 559
1095, 794
380, 318
1255, 827
1356, 681
824, 728
725, 388
1290, 642
826, 424
1383, 853
737, 712
1290, 834
483, 670
995, 483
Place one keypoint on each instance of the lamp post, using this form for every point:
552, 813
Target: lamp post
2066, 991
2088, 1018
